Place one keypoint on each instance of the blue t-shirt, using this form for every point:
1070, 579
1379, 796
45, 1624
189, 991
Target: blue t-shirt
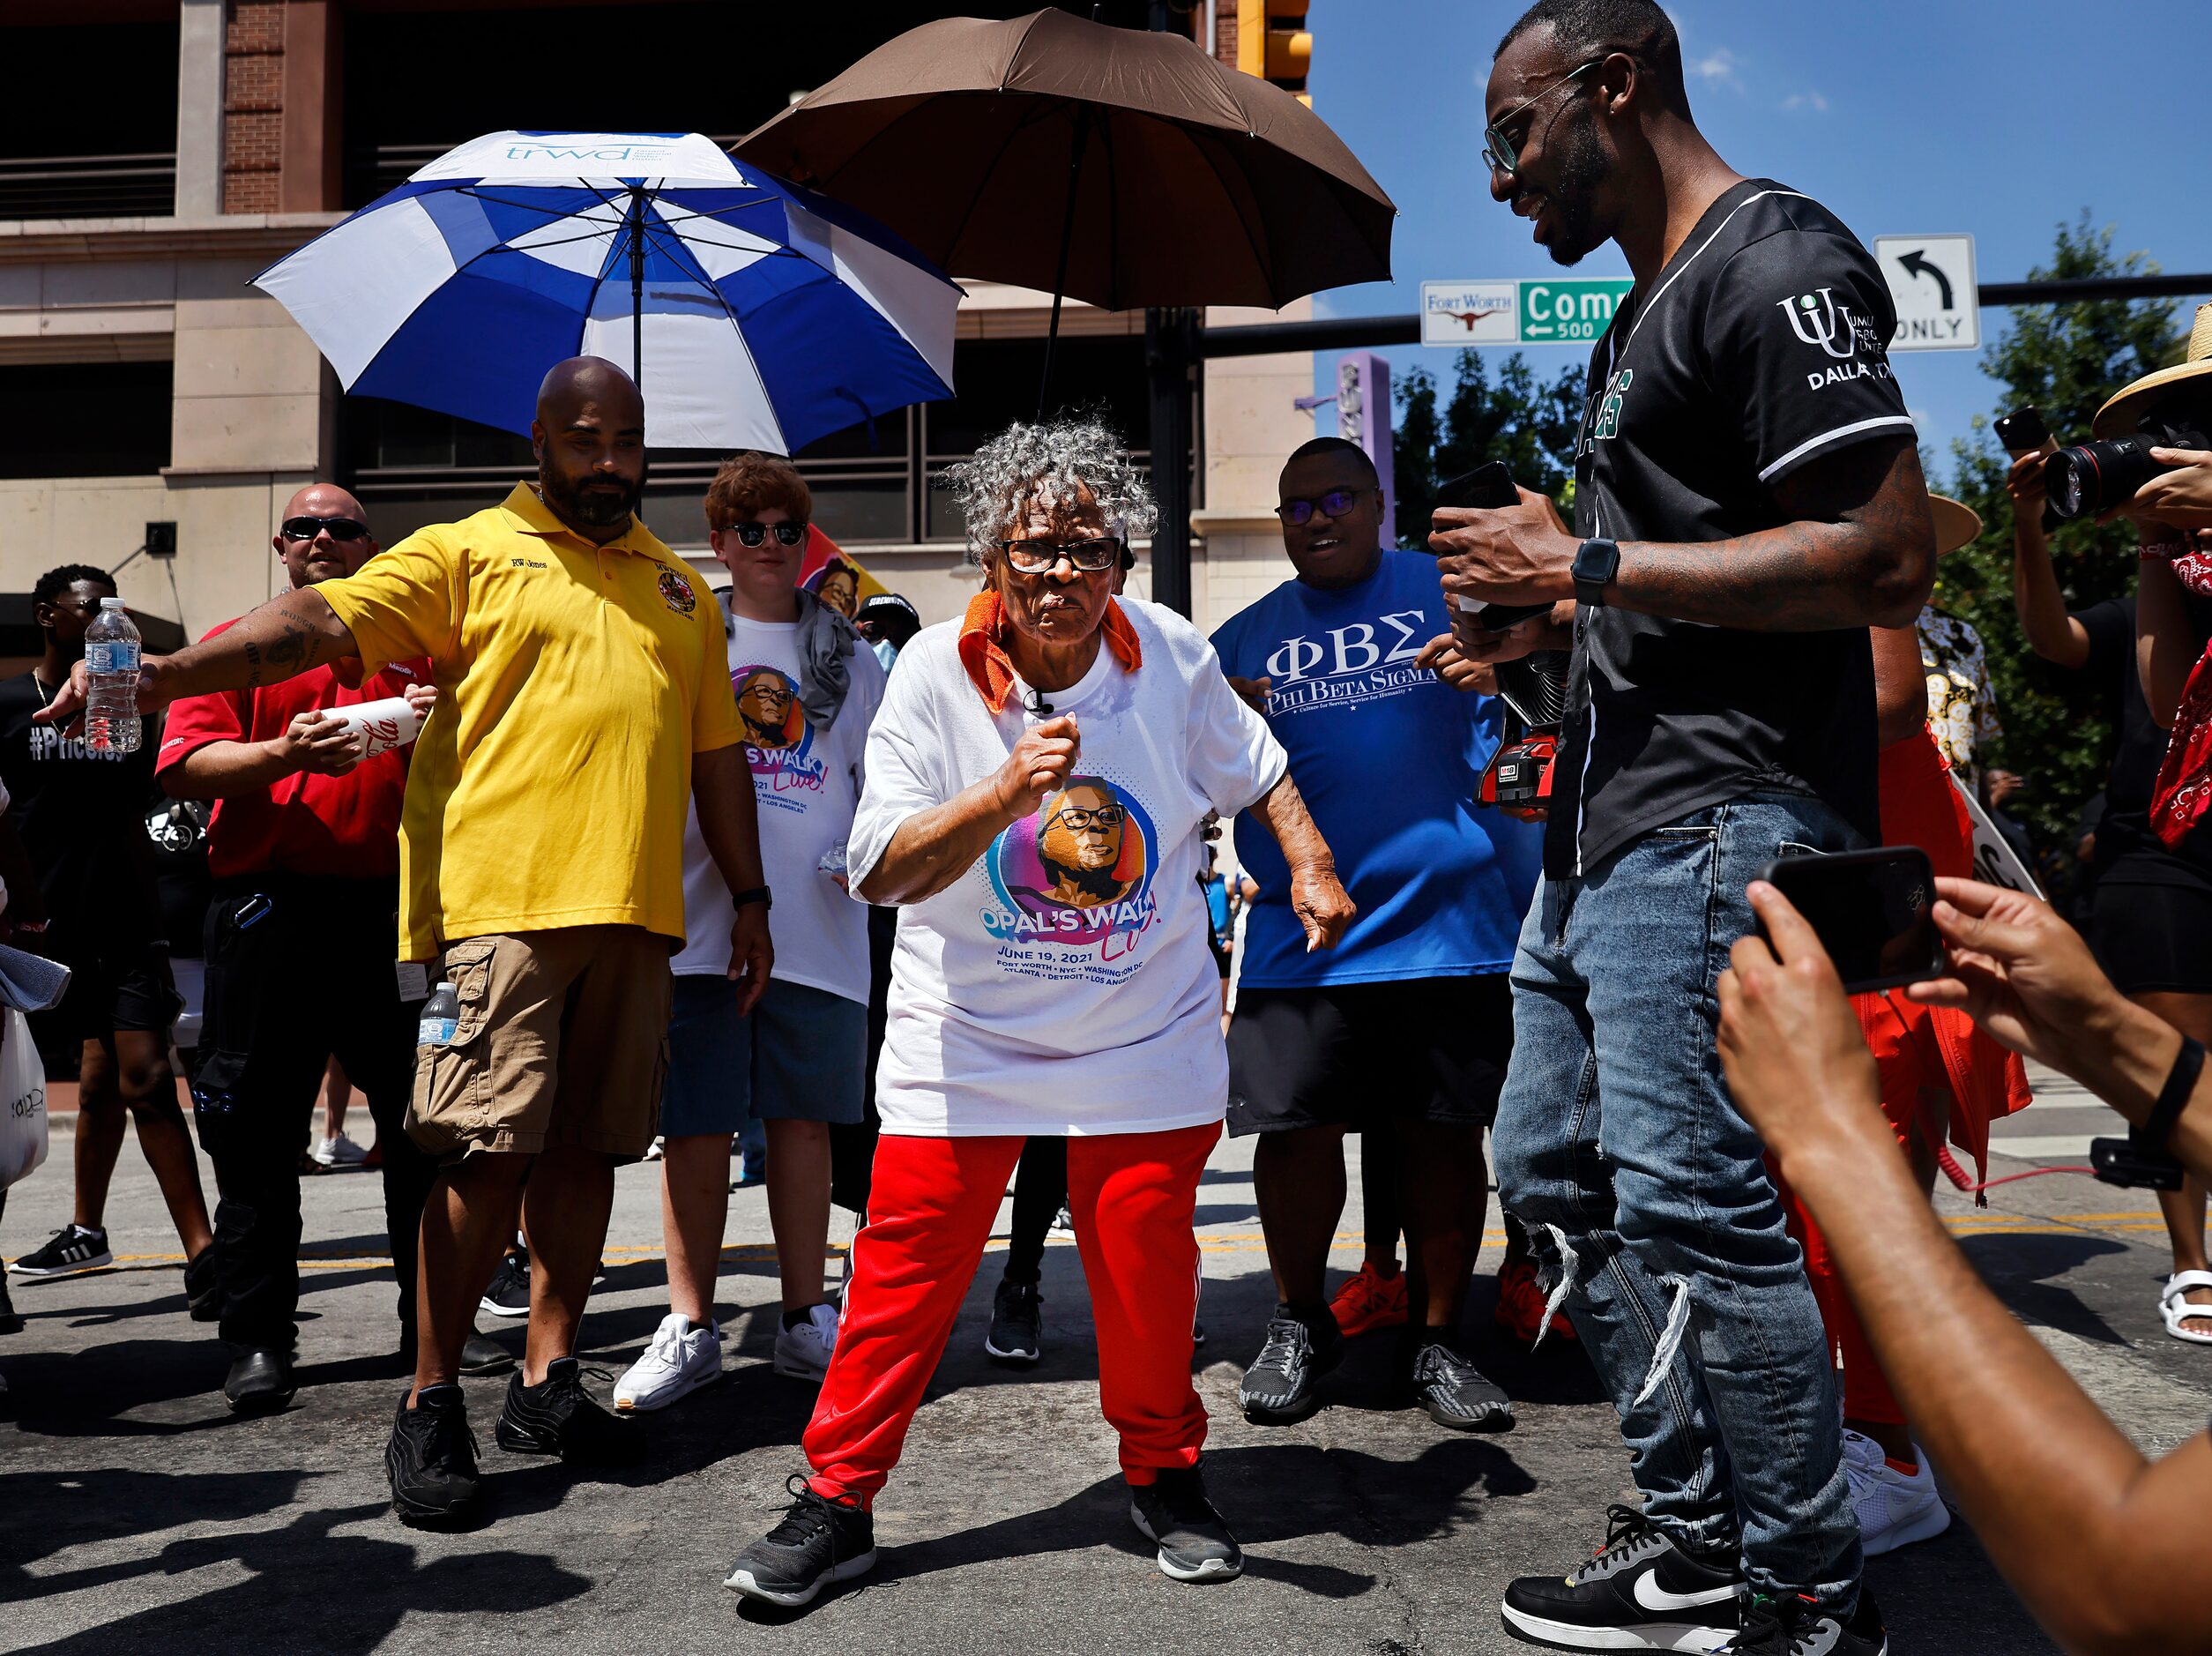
1217, 904
1388, 758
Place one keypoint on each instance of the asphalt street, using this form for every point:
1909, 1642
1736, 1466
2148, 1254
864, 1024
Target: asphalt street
136, 1514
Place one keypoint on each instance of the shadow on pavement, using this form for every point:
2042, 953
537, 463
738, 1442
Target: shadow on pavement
380, 1577
2022, 1269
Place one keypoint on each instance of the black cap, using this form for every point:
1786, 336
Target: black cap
891, 617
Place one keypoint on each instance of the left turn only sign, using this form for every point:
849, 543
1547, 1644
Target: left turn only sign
1930, 281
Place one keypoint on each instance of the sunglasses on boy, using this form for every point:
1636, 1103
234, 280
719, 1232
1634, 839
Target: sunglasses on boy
754, 533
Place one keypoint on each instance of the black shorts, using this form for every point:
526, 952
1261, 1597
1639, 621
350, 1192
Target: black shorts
2152, 939
132, 991
1353, 1055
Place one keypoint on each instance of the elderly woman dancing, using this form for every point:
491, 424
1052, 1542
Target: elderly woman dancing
1037, 780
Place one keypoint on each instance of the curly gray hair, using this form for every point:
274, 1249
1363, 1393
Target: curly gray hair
1026, 464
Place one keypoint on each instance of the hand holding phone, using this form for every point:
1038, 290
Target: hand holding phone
2022, 431
1873, 912
1485, 489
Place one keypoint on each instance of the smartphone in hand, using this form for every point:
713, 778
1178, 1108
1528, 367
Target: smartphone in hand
2022, 432
1485, 489
1873, 912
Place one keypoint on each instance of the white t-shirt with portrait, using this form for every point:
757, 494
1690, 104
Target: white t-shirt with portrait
806, 783
1063, 984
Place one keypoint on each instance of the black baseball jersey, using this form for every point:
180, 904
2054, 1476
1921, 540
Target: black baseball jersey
1760, 347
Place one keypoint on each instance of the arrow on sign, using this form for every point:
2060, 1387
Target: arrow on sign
1914, 264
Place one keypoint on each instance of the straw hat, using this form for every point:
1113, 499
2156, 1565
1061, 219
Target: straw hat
1956, 524
2125, 412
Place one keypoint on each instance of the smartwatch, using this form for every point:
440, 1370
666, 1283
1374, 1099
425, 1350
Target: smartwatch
752, 894
1595, 566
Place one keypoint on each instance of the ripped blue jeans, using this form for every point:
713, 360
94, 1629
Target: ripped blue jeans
1616, 1133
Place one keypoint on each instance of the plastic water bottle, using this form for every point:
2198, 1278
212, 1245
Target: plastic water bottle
111, 664
440, 1017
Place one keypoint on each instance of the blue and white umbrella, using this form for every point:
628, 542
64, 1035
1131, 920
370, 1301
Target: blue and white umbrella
755, 314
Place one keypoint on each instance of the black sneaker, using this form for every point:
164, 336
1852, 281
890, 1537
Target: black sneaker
818, 1543
203, 1293
1796, 1626
1174, 1514
558, 1417
1280, 1385
1641, 1592
73, 1248
483, 1356
432, 1460
10, 1323
1457, 1394
1017, 1323
509, 1295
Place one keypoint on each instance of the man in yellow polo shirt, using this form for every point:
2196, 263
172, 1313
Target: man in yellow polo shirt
584, 703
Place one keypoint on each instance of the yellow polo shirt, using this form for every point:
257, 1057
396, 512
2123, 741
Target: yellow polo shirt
575, 683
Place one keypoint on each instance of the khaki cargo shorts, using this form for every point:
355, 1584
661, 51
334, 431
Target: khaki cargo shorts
562, 1039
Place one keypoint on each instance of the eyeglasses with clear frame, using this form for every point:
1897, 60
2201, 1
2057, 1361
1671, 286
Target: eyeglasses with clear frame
1503, 152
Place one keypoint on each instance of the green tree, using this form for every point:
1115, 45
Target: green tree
2065, 360
1527, 423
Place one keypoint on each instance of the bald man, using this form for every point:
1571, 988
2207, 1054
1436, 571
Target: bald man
585, 704
304, 847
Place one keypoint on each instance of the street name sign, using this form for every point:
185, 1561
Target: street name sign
1545, 310
1932, 282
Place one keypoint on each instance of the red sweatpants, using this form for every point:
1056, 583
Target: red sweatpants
929, 1213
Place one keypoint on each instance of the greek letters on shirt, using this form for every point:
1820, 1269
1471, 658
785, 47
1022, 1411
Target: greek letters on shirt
778, 741
1073, 885
1368, 661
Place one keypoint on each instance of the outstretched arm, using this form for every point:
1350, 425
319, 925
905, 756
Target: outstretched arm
282, 639
2062, 1502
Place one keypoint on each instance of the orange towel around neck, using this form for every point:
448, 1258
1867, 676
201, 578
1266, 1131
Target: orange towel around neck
992, 670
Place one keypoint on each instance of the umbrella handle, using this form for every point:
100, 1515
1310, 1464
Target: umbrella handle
1067, 238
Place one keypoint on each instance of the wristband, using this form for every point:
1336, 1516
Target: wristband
752, 894
2165, 551
2173, 1098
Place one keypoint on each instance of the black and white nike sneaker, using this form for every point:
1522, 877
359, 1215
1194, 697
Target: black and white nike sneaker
1280, 1386
1641, 1592
1798, 1626
70, 1249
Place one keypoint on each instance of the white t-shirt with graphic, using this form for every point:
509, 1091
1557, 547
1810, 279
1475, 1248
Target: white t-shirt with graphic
1064, 983
807, 783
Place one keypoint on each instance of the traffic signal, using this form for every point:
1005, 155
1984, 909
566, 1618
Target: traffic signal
1272, 42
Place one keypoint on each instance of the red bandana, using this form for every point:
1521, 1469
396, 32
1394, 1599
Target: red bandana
992, 670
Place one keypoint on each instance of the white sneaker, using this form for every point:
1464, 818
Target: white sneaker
803, 1352
679, 1360
341, 1151
1894, 1511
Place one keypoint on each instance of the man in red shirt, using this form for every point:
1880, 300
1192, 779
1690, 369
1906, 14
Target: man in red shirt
301, 949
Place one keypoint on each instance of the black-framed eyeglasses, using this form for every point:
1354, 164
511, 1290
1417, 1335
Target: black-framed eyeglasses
1503, 151
1335, 504
1089, 554
754, 533
1077, 818
337, 529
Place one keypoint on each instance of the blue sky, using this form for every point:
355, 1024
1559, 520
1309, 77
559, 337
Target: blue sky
1904, 117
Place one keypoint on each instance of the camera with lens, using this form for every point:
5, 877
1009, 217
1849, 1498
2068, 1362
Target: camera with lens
2089, 478
2128, 1164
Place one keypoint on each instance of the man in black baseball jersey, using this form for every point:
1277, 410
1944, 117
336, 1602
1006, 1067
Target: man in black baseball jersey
1748, 501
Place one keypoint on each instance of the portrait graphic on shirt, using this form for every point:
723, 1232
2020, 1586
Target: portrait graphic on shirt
1078, 872
779, 740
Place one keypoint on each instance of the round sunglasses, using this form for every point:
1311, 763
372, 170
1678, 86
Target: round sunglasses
754, 533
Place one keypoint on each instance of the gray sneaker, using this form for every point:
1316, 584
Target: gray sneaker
1280, 1385
1457, 1394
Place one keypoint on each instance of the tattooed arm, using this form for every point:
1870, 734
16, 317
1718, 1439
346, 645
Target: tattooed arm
282, 639
1860, 552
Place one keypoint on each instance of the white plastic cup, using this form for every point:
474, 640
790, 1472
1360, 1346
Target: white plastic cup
381, 725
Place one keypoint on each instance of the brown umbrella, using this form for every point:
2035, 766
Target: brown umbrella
1109, 165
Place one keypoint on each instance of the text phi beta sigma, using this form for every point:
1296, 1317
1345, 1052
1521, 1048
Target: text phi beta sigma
1352, 649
